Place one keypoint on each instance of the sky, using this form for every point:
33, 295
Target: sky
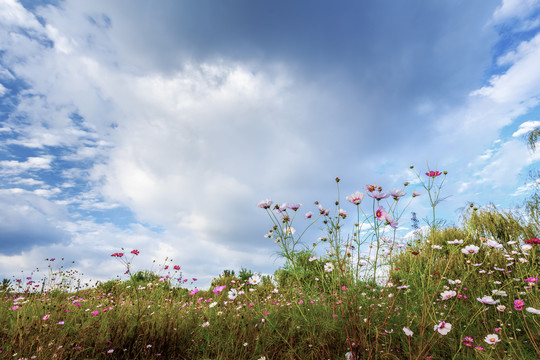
159, 127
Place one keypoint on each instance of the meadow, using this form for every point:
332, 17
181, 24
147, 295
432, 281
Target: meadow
359, 291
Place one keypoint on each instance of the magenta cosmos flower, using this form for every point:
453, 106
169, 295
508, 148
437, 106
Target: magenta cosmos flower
433, 174
532, 241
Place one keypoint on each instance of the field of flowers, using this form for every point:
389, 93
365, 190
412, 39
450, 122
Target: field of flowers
359, 291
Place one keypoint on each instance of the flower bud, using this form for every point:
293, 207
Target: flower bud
337, 179
411, 167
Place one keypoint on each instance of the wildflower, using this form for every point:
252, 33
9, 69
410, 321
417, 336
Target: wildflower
308, 215
415, 193
531, 280
534, 241
362, 262
15, 307
533, 310
264, 204
492, 339
323, 211
397, 194
115, 255
378, 195
433, 174
342, 213
445, 295
349, 356
467, 341
380, 213
135, 252
313, 258
218, 289
436, 247
390, 221
95, 313
455, 242
499, 292
487, 300
255, 280
206, 324
328, 267
479, 348
194, 291
212, 304
407, 331
45, 317
372, 188
60, 323
526, 247
355, 198
470, 249
233, 293
518, 304
176, 267
493, 244
443, 327
110, 351
294, 207
501, 308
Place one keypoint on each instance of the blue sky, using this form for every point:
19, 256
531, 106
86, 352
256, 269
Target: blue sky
159, 128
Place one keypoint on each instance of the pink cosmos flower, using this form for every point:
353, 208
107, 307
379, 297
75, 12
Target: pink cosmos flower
355, 198
397, 194
470, 249
380, 213
323, 211
467, 341
95, 313
433, 174
415, 193
116, 255
135, 252
294, 207
218, 289
378, 195
193, 292
176, 267
264, 204
308, 215
342, 213
518, 304
45, 317
531, 280
390, 221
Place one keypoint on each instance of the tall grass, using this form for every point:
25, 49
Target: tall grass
468, 291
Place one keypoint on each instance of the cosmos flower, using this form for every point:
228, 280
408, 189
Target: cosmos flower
445, 295
255, 280
470, 249
328, 267
533, 310
233, 293
407, 331
487, 300
455, 242
443, 327
355, 198
433, 174
378, 195
264, 204
397, 194
380, 213
492, 339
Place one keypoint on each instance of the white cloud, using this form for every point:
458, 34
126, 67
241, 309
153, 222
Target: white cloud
515, 9
526, 127
14, 167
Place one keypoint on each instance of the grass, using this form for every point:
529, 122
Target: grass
342, 304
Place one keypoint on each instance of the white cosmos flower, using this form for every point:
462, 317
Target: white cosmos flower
487, 300
499, 292
233, 293
445, 295
470, 249
492, 339
407, 331
328, 267
455, 242
533, 310
255, 280
443, 327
